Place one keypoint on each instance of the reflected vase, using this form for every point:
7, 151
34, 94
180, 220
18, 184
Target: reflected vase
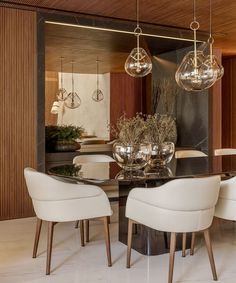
132, 156
161, 154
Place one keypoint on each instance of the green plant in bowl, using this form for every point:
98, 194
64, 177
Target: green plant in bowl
62, 138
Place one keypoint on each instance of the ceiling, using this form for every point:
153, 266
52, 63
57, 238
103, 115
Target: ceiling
163, 12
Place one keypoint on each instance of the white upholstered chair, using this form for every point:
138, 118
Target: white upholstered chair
92, 158
189, 153
225, 151
179, 206
226, 205
86, 158
55, 201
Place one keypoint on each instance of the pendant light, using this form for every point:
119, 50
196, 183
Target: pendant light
73, 100
193, 74
97, 94
138, 64
61, 93
211, 59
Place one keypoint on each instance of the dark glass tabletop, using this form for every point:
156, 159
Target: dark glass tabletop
101, 172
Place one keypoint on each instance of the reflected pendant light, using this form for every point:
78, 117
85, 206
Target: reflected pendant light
73, 100
138, 63
193, 74
211, 59
97, 94
55, 107
61, 93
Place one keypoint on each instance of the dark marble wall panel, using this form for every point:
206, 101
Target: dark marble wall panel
189, 108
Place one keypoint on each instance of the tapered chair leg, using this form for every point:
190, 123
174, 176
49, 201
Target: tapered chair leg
81, 224
129, 242
210, 253
107, 237
77, 224
49, 246
166, 240
172, 256
184, 244
37, 235
192, 243
87, 230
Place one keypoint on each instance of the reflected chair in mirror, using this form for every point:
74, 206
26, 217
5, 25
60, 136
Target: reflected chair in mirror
179, 206
92, 158
189, 153
56, 201
224, 151
86, 158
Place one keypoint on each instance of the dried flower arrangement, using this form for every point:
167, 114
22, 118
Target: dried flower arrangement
130, 130
155, 128
160, 128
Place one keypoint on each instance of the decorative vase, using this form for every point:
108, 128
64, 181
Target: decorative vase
133, 156
161, 154
66, 146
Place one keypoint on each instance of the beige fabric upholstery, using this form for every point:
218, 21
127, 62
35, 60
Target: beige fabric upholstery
182, 205
58, 201
189, 153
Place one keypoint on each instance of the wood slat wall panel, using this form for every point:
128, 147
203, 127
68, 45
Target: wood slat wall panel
17, 109
51, 88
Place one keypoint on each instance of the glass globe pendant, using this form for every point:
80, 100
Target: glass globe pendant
61, 93
73, 100
97, 94
138, 63
193, 74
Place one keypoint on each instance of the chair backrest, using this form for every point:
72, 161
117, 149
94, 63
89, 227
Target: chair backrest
92, 158
189, 153
43, 187
181, 205
58, 201
226, 205
225, 151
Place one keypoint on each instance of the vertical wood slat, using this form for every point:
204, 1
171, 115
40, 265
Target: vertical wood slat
51, 88
17, 109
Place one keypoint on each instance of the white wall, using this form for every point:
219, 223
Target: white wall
93, 116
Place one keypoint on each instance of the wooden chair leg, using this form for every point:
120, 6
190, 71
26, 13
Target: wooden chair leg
184, 244
172, 256
37, 235
210, 253
129, 242
81, 224
107, 237
77, 224
192, 243
49, 246
87, 230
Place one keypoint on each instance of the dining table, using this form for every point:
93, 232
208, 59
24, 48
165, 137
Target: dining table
145, 240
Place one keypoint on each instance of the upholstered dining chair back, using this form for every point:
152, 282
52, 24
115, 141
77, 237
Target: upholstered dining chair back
92, 158
189, 153
58, 201
226, 205
225, 151
181, 205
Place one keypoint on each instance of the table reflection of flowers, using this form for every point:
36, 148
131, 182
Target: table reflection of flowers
70, 170
130, 175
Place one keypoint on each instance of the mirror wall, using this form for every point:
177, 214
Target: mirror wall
122, 93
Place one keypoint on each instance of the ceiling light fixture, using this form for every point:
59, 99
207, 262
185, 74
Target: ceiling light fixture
97, 94
193, 74
61, 93
138, 64
73, 100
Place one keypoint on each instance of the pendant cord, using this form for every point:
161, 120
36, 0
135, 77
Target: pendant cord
194, 10
61, 74
97, 76
72, 81
210, 19
137, 12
